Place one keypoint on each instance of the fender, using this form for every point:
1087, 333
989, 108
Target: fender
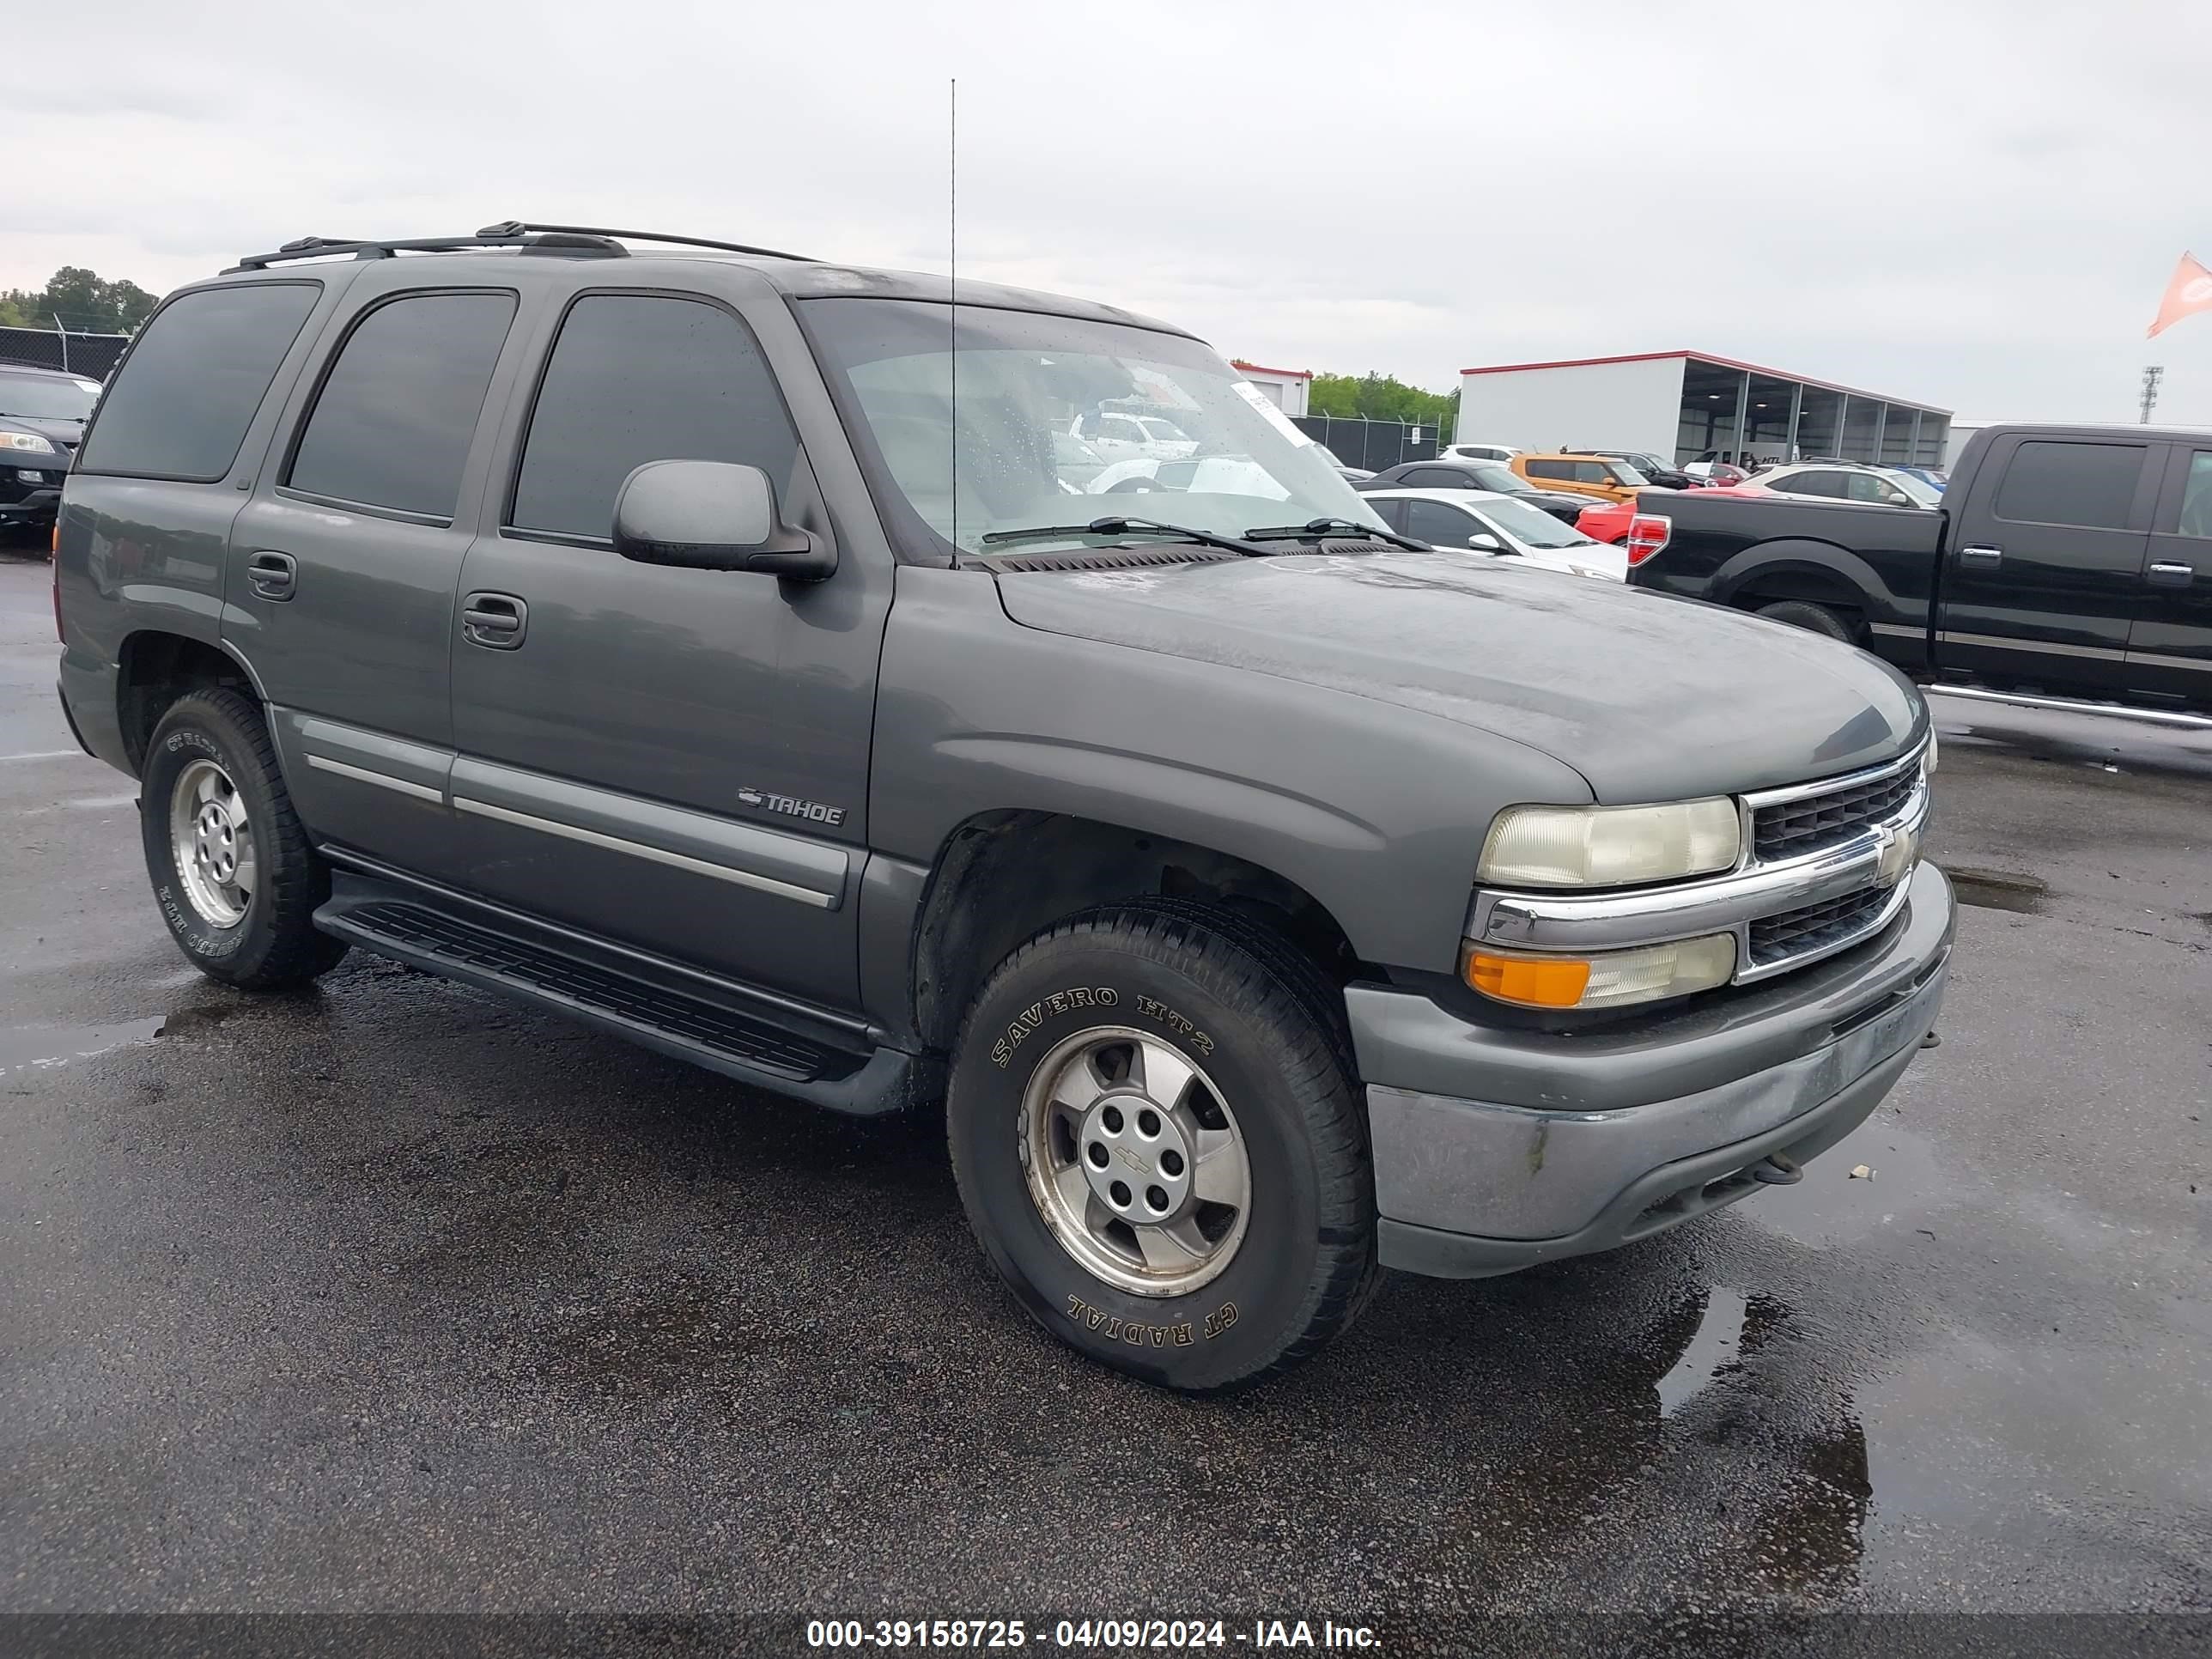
1899, 622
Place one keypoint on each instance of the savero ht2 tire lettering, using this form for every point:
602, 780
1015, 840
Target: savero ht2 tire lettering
231, 869
1161, 1144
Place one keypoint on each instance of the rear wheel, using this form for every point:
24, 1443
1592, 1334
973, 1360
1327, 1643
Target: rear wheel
236, 879
1811, 618
1162, 1147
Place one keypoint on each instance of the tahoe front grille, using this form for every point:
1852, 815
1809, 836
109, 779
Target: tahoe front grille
1793, 828
1814, 926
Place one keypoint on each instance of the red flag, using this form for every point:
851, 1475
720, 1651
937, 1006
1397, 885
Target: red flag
2189, 291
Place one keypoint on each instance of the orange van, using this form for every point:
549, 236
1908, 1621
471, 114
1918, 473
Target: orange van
1597, 475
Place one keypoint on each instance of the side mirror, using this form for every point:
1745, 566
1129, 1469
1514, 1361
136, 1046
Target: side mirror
1483, 542
713, 515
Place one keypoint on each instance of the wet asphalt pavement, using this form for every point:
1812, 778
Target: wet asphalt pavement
392, 1296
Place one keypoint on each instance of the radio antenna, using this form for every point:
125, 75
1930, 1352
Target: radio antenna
952, 303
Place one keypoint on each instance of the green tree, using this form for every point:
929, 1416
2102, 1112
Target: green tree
85, 303
1380, 397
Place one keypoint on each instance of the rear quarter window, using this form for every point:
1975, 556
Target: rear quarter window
183, 399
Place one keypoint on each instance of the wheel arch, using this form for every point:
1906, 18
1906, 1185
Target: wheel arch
1001, 876
1819, 572
155, 667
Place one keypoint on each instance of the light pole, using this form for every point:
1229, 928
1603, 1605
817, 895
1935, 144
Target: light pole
2152, 376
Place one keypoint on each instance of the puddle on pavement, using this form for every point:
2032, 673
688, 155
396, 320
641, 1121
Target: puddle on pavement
1716, 1347
1997, 889
42, 1047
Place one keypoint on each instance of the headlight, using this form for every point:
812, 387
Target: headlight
1610, 846
30, 442
1602, 979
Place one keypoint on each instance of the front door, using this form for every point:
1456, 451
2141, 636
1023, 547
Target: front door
2043, 567
672, 759
344, 560
2170, 646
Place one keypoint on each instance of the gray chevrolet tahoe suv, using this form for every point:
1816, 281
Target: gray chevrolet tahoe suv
705, 645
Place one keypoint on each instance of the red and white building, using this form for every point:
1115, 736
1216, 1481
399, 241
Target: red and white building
1286, 388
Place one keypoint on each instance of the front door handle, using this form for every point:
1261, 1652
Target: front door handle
271, 575
494, 621
2170, 576
1981, 557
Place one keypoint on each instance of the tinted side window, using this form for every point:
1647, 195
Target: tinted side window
2088, 484
2196, 515
1811, 483
393, 423
181, 406
1549, 469
1433, 477
1596, 473
1438, 523
636, 379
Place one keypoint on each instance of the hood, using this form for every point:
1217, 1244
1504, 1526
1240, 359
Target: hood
59, 433
1649, 697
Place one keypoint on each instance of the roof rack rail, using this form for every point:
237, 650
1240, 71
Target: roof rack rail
515, 226
582, 241
324, 247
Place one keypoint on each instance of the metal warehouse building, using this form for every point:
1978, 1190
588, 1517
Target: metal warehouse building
1678, 404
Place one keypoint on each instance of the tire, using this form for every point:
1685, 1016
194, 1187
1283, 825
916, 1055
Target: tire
1814, 618
214, 746
1184, 985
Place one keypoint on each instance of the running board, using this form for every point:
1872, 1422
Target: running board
2075, 706
395, 922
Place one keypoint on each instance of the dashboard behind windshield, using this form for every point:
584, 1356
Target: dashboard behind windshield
1047, 420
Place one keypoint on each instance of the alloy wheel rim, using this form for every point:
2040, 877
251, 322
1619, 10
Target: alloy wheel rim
211, 842
1135, 1162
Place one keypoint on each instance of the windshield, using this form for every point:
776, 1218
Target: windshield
982, 451
1530, 525
36, 398
1488, 475
1624, 474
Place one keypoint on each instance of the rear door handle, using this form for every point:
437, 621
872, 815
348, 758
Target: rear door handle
494, 621
2170, 576
1983, 557
271, 575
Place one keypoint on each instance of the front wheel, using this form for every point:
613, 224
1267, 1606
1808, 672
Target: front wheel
1162, 1147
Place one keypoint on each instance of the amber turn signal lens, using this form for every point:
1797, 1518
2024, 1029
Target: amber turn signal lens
1533, 982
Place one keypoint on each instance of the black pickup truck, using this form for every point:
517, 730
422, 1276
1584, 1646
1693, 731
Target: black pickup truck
2074, 561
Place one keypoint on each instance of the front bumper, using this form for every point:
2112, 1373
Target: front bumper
1495, 1148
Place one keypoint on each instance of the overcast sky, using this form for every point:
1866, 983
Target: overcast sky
1975, 203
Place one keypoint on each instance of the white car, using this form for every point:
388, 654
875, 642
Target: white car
1212, 475
1481, 452
1481, 521
1877, 486
1120, 436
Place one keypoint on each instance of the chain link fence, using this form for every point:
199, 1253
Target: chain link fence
1373, 445
89, 355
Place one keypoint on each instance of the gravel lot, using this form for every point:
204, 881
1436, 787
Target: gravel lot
392, 1297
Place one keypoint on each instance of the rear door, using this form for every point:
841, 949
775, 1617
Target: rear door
2043, 566
674, 759
2170, 645
344, 561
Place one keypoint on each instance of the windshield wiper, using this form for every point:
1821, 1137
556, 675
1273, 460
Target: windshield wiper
1315, 529
1118, 526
